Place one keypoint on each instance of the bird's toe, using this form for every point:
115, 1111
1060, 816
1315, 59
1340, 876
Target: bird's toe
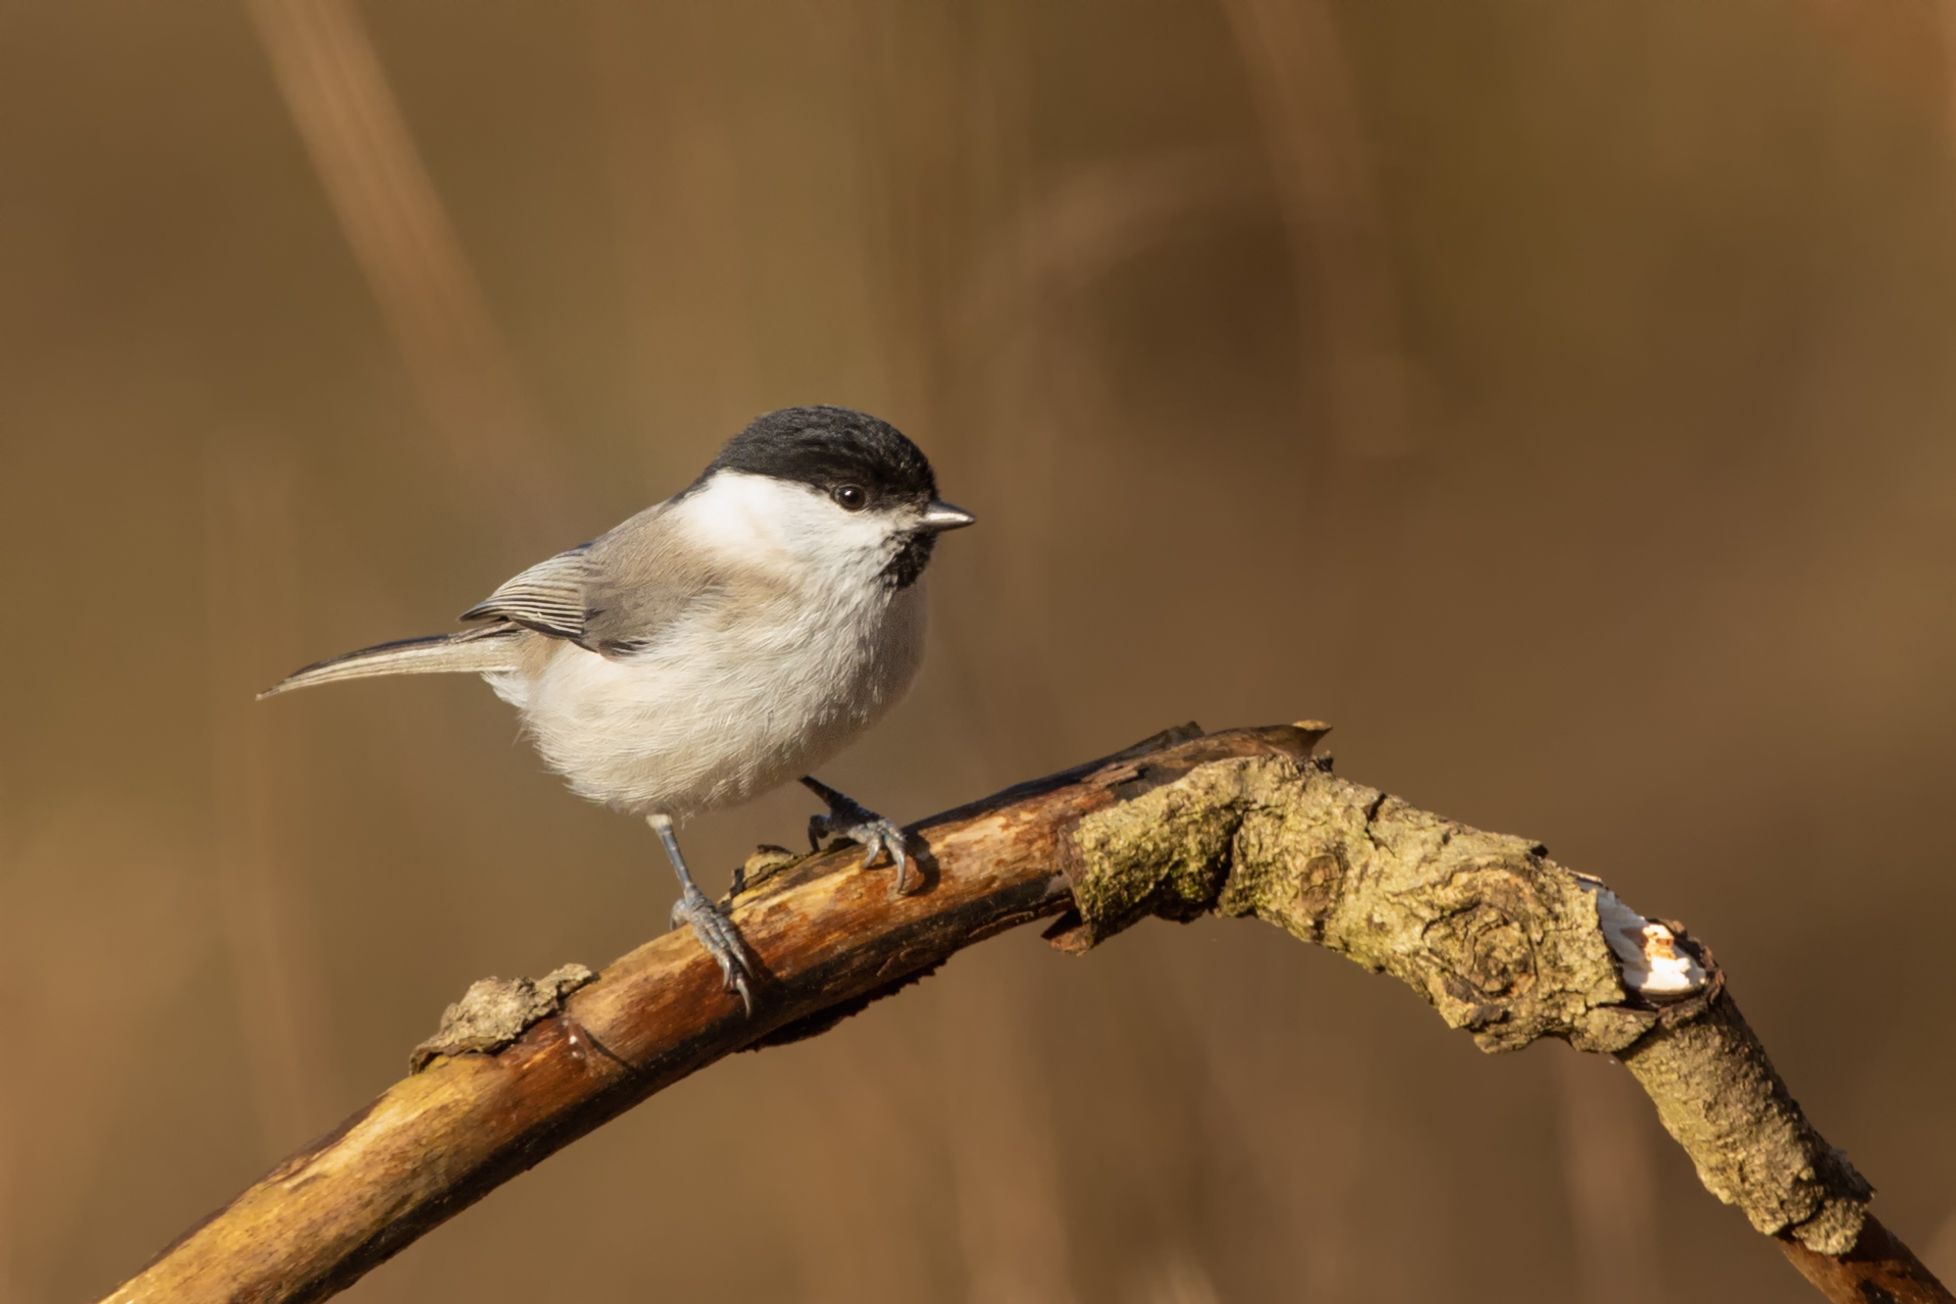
721, 940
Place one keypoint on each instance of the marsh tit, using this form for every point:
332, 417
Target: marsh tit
717, 644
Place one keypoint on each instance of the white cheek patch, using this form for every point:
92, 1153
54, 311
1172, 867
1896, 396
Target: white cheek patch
762, 519
739, 514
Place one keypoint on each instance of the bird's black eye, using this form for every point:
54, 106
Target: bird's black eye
851, 497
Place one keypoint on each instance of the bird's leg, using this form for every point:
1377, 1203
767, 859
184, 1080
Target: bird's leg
714, 930
848, 820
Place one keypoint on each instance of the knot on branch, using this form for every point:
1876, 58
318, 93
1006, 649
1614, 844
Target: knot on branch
1504, 943
1494, 959
495, 1011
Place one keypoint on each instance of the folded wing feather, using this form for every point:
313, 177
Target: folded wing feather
552, 597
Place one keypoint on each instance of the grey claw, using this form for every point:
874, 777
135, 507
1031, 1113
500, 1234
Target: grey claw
881, 836
874, 834
720, 939
849, 820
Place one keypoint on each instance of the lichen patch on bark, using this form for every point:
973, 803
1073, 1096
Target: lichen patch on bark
495, 1011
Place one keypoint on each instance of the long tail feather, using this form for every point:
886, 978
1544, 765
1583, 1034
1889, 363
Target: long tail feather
475, 651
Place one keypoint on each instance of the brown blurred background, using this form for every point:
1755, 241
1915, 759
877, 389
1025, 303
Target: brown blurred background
1556, 398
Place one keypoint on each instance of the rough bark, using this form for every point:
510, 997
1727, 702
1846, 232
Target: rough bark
1502, 941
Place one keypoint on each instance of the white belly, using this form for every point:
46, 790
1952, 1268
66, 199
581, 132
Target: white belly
667, 732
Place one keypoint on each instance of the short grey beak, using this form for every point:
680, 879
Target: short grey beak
940, 516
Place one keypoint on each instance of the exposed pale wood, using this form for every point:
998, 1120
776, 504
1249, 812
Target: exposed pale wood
1503, 941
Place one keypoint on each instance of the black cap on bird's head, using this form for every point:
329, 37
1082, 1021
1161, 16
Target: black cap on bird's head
858, 462
829, 447
836, 450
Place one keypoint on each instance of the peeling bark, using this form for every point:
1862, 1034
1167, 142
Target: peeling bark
1502, 941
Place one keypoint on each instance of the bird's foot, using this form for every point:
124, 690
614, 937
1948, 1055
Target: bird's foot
721, 940
848, 820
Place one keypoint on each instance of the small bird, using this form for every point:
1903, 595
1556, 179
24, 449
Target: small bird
719, 643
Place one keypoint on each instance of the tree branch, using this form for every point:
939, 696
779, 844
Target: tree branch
1502, 941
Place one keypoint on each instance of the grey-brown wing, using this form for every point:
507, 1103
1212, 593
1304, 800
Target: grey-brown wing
550, 597
645, 577
613, 595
